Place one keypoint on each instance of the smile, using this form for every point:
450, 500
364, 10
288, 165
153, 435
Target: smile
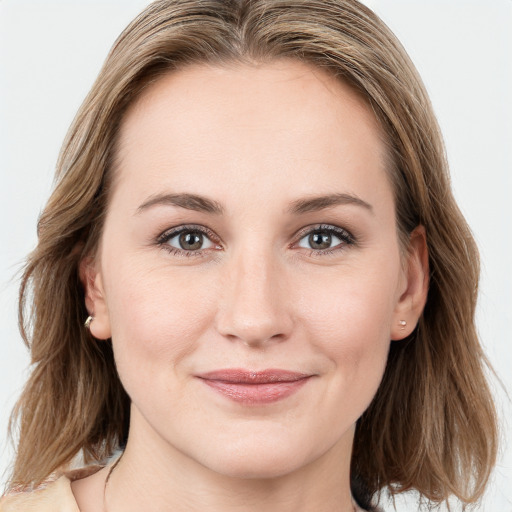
255, 388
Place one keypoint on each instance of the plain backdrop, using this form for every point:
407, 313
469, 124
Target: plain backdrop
51, 51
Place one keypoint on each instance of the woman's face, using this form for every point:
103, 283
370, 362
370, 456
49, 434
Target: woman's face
249, 271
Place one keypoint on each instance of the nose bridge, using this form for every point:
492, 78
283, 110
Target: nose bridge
252, 310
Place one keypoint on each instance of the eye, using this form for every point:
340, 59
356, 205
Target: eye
325, 239
186, 240
189, 241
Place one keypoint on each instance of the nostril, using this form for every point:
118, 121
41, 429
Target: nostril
254, 331
262, 341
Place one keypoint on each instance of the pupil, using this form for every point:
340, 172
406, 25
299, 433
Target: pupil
191, 241
320, 240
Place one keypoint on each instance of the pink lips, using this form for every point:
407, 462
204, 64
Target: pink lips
254, 388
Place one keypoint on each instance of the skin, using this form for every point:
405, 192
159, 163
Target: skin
256, 296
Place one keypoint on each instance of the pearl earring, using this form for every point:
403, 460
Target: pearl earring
402, 324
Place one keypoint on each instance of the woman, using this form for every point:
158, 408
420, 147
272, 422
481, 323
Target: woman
253, 217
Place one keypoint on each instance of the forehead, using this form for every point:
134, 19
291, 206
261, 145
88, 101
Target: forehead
243, 89
278, 122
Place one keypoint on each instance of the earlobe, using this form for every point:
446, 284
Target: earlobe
412, 301
95, 300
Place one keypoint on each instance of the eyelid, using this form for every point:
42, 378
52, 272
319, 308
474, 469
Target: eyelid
163, 239
172, 232
347, 240
341, 232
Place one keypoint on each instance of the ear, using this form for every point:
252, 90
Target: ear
95, 300
415, 288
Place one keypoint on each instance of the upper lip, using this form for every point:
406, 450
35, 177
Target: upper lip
243, 376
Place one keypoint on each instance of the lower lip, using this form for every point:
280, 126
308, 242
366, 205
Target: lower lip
256, 394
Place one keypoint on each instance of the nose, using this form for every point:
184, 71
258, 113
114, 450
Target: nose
253, 308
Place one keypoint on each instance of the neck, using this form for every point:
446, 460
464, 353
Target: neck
156, 474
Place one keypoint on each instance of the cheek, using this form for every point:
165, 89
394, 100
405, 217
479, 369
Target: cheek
353, 305
350, 323
157, 317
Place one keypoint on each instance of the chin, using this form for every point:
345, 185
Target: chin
259, 468
253, 459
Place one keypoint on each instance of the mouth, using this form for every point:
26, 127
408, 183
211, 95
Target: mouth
255, 387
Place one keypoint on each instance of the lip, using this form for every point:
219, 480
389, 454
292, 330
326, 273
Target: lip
255, 387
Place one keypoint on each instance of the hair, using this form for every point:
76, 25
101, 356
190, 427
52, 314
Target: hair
432, 424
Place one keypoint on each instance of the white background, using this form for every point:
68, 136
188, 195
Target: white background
51, 51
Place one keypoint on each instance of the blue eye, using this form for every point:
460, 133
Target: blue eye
326, 238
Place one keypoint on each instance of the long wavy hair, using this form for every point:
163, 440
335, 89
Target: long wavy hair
432, 424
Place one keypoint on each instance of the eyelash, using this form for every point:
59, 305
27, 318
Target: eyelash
164, 238
346, 238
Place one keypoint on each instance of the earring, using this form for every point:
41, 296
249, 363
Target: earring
402, 324
87, 323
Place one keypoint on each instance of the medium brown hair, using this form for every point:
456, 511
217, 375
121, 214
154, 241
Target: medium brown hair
432, 425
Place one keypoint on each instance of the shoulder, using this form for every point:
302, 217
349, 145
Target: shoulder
51, 496
55, 496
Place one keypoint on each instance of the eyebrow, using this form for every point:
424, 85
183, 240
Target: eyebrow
187, 201
300, 206
316, 203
